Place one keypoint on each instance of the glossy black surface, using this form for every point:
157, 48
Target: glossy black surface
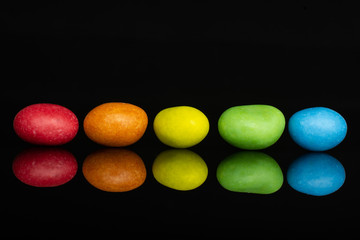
291, 56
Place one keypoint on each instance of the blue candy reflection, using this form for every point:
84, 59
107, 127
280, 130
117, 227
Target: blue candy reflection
316, 174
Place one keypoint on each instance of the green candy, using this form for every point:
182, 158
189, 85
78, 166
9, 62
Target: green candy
251, 127
250, 172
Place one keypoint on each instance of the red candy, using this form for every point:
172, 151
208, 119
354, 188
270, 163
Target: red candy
46, 124
45, 167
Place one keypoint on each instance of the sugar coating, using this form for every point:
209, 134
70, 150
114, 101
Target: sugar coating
181, 126
317, 128
46, 124
115, 124
251, 127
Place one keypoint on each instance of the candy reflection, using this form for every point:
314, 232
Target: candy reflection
180, 169
45, 167
250, 172
316, 174
114, 170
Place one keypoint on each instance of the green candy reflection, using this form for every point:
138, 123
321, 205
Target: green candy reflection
250, 172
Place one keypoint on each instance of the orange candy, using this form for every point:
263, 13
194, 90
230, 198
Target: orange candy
115, 124
114, 170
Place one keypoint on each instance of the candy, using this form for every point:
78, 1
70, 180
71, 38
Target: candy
114, 170
316, 174
115, 124
45, 167
250, 172
180, 169
46, 124
181, 126
251, 127
317, 129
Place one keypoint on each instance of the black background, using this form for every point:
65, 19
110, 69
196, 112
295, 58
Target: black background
206, 54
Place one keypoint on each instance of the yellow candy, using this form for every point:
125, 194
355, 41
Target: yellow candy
181, 126
180, 169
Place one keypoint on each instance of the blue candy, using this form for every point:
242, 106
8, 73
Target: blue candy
316, 174
317, 128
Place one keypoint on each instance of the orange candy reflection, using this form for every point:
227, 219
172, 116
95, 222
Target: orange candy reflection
114, 170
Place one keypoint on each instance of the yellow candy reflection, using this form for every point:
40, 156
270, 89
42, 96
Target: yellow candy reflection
180, 169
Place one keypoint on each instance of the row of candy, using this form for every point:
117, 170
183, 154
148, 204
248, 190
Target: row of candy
116, 124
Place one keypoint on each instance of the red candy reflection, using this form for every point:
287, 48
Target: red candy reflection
45, 167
